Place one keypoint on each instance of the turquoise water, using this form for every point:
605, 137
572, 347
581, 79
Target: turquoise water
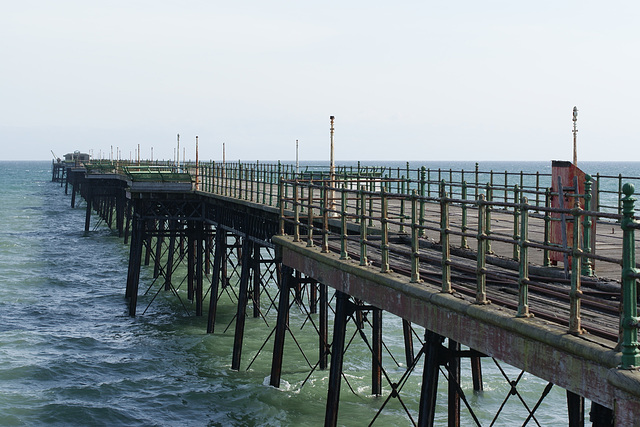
70, 354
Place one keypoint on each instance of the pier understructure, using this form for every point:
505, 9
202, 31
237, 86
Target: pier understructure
345, 250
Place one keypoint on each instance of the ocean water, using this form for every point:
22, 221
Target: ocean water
70, 354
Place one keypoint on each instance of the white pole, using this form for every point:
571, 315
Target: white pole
575, 133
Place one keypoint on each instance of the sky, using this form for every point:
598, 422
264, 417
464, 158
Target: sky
405, 80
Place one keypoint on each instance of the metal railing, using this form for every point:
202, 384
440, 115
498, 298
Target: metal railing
309, 208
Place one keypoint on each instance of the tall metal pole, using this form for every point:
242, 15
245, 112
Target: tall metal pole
197, 162
575, 133
297, 162
178, 151
332, 170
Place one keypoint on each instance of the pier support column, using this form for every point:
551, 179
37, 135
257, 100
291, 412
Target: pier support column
476, 372
220, 251
376, 362
199, 260
433, 343
158, 252
256, 280
135, 259
453, 384
343, 309
324, 326
281, 326
601, 416
243, 294
575, 407
408, 342
87, 217
168, 276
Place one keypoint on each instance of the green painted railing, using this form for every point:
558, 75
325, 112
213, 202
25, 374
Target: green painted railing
387, 219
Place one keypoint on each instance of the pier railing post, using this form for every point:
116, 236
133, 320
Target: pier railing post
481, 266
296, 213
363, 229
444, 238
464, 227
384, 225
576, 264
587, 265
523, 279
516, 218
630, 320
487, 217
422, 196
415, 244
310, 214
546, 260
344, 254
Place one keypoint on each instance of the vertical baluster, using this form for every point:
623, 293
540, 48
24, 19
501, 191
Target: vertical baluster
587, 265
281, 203
325, 218
401, 191
546, 260
629, 320
464, 228
481, 269
415, 244
343, 225
516, 214
310, 215
422, 196
296, 213
523, 279
444, 239
488, 210
576, 262
363, 229
384, 225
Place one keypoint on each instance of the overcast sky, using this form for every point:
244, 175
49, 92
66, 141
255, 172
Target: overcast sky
406, 80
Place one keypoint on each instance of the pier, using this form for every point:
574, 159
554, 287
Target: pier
468, 260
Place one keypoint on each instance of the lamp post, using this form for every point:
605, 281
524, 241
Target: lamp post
575, 134
332, 169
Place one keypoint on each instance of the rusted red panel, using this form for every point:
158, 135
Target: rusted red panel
567, 171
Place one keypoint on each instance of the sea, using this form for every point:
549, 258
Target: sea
71, 356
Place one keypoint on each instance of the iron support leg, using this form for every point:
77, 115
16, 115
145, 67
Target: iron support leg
476, 372
256, 280
281, 326
601, 416
433, 343
199, 241
337, 354
324, 329
243, 293
408, 342
219, 252
575, 406
135, 258
454, 379
87, 217
376, 373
